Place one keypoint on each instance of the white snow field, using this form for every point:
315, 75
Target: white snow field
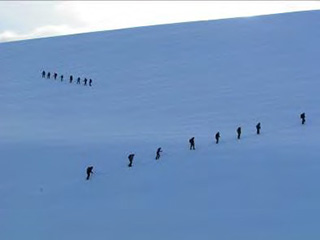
157, 87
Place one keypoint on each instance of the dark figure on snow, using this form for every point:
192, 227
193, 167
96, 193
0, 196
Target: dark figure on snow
217, 137
158, 153
48, 75
89, 171
85, 82
78, 80
90, 82
71, 79
258, 127
43, 74
239, 132
61, 78
130, 157
191, 141
55, 75
303, 117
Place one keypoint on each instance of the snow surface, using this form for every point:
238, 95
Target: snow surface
159, 86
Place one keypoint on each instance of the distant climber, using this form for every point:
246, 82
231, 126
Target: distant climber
217, 137
258, 127
43, 74
89, 171
48, 75
71, 79
55, 75
85, 82
90, 82
303, 118
130, 157
191, 141
158, 153
78, 80
239, 132
61, 78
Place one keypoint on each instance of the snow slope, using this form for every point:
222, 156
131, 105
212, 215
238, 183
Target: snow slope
159, 86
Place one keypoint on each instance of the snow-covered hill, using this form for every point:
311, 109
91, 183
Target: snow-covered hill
157, 87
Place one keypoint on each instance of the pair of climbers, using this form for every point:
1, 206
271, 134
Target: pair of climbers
44, 74
239, 130
55, 75
131, 156
85, 81
192, 143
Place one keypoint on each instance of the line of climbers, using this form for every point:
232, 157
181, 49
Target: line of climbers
55, 75
192, 144
217, 136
